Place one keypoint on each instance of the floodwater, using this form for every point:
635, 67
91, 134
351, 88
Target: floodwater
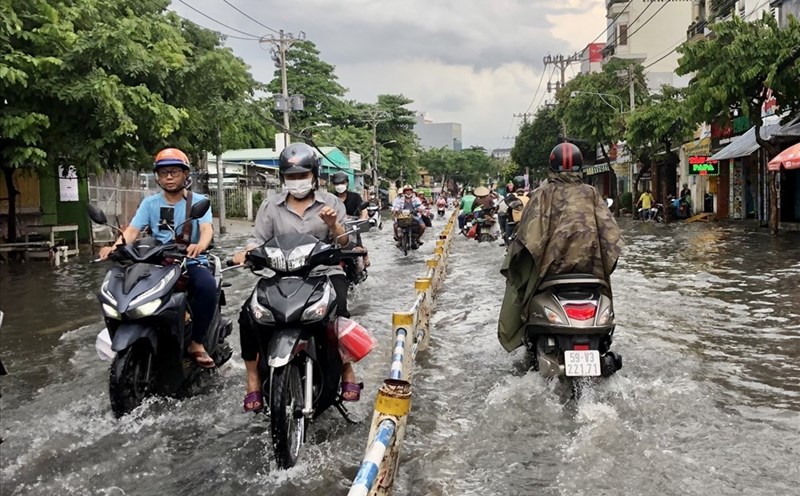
708, 401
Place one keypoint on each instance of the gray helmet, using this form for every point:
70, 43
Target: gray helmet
519, 182
298, 158
339, 178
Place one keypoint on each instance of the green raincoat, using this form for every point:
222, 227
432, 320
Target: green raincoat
566, 228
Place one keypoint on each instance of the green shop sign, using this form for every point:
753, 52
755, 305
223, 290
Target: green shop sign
703, 166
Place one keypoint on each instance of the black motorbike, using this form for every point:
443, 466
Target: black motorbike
374, 216
149, 321
406, 231
292, 307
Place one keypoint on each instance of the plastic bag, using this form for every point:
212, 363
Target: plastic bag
355, 341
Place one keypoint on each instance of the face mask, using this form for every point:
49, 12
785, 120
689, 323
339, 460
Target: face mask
340, 188
409, 195
299, 188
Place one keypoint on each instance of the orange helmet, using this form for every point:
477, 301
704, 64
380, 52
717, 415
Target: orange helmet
171, 156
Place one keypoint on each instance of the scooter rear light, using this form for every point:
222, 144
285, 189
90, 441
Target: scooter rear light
581, 347
584, 311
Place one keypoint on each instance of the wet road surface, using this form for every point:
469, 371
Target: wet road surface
708, 401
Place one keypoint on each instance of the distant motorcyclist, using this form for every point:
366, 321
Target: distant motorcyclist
565, 228
352, 203
466, 208
171, 168
515, 202
408, 201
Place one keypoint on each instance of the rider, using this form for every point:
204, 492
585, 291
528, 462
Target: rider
411, 203
171, 169
466, 208
302, 209
352, 203
646, 201
441, 203
565, 228
516, 201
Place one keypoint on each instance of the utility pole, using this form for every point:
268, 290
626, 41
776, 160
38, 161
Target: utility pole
561, 62
281, 45
524, 116
220, 185
631, 87
374, 116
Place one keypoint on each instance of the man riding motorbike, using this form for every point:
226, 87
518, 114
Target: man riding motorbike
171, 169
565, 228
302, 209
408, 201
352, 203
466, 208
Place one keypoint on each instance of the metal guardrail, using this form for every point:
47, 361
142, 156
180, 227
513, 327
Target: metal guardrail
411, 334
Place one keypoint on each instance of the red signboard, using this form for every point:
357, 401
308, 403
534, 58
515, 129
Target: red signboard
596, 52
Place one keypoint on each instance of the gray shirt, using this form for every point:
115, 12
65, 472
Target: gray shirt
275, 217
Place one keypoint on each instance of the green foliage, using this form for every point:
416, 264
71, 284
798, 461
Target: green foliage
470, 167
626, 200
734, 68
661, 121
535, 140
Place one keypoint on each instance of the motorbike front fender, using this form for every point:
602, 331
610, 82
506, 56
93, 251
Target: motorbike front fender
130, 332
285, 345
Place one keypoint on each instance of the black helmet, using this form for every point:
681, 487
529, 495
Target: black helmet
298, 158
519, 182
339, 178
566, 157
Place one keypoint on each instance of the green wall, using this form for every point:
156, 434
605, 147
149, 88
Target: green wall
55, 211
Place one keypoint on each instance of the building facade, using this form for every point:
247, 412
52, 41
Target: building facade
438, 135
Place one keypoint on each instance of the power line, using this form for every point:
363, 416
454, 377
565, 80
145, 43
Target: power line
613, 21
237, 9
510, 125
666, 2
218, 22
676, 45
640, 15
538, 87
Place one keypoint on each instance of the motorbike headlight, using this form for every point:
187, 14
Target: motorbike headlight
298, 257
552, 316
276, 259
144, 310
106, 293
319, 309
111, 312
606, 317
262, 314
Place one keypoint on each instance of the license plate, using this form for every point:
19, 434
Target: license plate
582, 363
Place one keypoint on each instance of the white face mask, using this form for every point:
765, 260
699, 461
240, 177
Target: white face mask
299, 188
409, 195
340, 188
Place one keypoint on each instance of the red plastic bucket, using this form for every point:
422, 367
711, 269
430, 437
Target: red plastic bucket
355, 341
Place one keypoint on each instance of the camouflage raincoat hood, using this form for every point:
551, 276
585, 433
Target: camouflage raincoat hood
566, 228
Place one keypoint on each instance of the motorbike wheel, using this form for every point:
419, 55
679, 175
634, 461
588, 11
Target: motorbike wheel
286, 417
131, 378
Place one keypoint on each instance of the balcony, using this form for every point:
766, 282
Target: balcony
696, 30
722, 9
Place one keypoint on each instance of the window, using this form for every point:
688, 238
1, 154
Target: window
623, 34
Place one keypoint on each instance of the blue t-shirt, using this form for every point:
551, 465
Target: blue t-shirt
149, 215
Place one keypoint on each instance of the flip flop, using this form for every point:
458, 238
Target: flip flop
256, 401
203, 359
350, 387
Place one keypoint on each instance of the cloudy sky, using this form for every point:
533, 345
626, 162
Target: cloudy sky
476, 62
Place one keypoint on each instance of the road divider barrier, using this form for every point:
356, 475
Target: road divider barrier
392, 405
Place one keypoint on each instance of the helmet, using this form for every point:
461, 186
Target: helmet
566, 157
339, 178
408, 186
171, 156
481, 191
298, 158
519, 182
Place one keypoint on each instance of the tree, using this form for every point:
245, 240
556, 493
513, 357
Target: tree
654, 126
738, 68
308, 75
535, 140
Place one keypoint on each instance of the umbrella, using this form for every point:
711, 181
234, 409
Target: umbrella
789, 159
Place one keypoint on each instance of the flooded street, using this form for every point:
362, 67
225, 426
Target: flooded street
708, 400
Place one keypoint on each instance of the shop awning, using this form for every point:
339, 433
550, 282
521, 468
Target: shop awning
745, 144
790, 130
787, 159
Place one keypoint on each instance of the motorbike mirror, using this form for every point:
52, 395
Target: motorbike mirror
360, 226
199, 209
364, 205
97, 215
610, 202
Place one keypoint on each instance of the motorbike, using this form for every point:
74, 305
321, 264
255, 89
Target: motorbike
406, 232
299, 362
352, 260
570, 328
656, 213
440, 210
480, 224
3, 370
149, 322
374, 216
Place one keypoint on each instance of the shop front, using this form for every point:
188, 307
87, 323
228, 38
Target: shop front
599, 176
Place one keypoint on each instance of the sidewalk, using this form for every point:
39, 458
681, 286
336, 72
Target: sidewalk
235, 226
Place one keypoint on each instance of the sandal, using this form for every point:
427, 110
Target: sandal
255, 400
203, 359
350, 387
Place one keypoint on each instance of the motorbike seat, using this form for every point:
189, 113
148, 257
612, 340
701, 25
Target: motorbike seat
572, 280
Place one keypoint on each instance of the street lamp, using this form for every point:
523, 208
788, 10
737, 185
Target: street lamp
601, 95
317, 125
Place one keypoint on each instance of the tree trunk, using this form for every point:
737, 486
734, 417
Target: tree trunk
8, 172
613, 178
773, 203
755, 111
